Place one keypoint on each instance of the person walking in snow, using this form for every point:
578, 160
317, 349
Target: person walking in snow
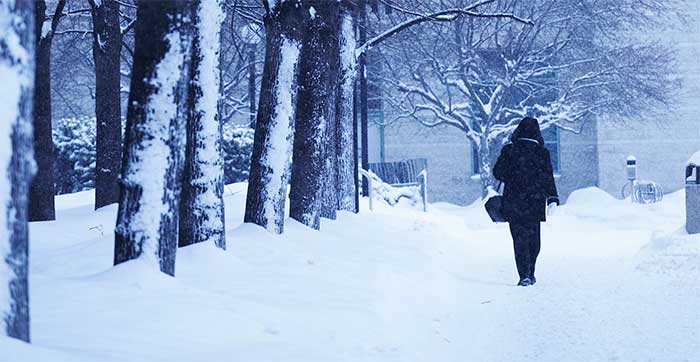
530, 194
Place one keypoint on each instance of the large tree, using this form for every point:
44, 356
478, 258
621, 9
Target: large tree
483, 75
16, 163
154, 149
313, 190
41, 194
202, 204
345, 127
274, 130
106, 52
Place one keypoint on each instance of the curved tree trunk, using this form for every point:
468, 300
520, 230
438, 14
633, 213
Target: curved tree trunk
274, 127
42, 192
16, 163
154, 149
106, 50
315, 109
202, 203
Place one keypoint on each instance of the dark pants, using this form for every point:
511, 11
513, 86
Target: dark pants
526, 244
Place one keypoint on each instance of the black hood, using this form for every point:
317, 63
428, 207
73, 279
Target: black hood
528, 128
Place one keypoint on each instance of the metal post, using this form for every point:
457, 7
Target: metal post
363, 93
423, 181
692, 199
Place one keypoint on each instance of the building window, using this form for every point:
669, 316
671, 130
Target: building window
551, 142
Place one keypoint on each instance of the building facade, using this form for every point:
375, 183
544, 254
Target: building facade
595, 157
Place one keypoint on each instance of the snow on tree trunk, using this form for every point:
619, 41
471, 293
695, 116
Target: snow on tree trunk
147, 221
330, 188
347, 162
274, 130
315, 110
41, 193
202, 203
16, 162
106, 49
486, 160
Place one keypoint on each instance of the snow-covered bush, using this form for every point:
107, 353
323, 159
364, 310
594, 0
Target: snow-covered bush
237, 149
74, 142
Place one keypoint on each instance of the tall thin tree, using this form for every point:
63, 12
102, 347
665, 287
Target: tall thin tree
41, 194
106, 50
16, 162
147, 221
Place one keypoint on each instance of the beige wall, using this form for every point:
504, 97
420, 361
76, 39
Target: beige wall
662, 146
450, 161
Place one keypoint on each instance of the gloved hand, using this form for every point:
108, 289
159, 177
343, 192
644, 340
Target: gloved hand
551, 209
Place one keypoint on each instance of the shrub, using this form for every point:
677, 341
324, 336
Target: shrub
74, 142
237, 148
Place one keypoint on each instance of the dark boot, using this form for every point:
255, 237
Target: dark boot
525, 282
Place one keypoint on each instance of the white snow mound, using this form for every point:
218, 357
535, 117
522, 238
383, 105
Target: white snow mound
671, 252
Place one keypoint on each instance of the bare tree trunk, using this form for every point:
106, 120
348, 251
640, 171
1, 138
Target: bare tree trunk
147, 221
274, 128
345, 153
106, 50
202, 204
16, 163
315, 110
42, 191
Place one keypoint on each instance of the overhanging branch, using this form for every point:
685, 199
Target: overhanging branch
443, 16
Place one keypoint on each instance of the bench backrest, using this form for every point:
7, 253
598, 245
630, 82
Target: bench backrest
401, 172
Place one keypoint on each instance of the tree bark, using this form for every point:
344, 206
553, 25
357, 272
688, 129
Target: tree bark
202, 204
274, 127
315, 110
106, 50
486, 161
16, 163
345, 153
147, 220
330, 190
42, 191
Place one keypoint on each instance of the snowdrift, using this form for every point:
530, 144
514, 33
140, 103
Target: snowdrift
396, 284
675, 252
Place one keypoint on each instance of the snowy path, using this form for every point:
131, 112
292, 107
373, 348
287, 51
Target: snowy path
396, 285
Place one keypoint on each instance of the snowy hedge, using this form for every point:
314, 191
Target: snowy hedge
238, 148
74, 141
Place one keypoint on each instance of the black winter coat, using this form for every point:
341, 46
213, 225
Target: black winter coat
525, 168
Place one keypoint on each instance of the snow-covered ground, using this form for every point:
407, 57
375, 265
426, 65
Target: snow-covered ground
616, 282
